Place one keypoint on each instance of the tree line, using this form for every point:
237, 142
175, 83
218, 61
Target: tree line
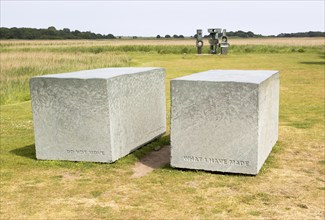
66, 33
250, 34
303, 34
49, 33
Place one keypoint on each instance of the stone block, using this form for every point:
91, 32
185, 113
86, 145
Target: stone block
224, 120
97, 115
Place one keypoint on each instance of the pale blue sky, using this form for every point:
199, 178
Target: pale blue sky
149, 18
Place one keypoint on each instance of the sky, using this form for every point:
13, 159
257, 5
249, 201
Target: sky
150, 18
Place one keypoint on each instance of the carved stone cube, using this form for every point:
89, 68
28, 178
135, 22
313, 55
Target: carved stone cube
224, 120
97, 115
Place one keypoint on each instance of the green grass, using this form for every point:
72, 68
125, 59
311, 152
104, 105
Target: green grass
160, 49
291, 182
19, 63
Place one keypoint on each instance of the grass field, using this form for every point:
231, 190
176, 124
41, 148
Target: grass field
291, 184
305, 41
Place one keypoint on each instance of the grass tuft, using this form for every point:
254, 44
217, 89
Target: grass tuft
307, 123
95, 194
255, 213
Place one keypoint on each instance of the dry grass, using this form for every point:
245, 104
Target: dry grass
18, 67
308, 41
291, 184
295, 41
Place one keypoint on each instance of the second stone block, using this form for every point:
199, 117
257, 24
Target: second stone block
224, 120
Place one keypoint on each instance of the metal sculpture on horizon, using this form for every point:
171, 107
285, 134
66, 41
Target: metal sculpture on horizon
213, 41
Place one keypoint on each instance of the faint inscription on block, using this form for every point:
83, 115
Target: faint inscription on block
224, 120
97, 115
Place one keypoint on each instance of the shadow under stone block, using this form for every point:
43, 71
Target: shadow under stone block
97, 115
224, 120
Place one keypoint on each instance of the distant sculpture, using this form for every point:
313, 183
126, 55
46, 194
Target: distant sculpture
213, 41
199, 41
224, 42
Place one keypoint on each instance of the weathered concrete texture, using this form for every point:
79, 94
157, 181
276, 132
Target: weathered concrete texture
97, 115
224, 120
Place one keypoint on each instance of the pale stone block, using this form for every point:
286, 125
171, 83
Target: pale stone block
97, 115
224, 120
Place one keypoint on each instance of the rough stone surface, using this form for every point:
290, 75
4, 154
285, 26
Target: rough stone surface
97, 115
224, 120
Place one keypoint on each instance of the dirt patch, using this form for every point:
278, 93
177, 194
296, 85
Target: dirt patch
151, 161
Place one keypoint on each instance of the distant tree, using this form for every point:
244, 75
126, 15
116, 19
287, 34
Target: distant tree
167, 36
180, 36
111, 36
134, 37
66, 30
158, 36
28, 33
175, 36
76, 34
51, 28
241, 34
230, 34
17, 33
5, 33
250, 34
